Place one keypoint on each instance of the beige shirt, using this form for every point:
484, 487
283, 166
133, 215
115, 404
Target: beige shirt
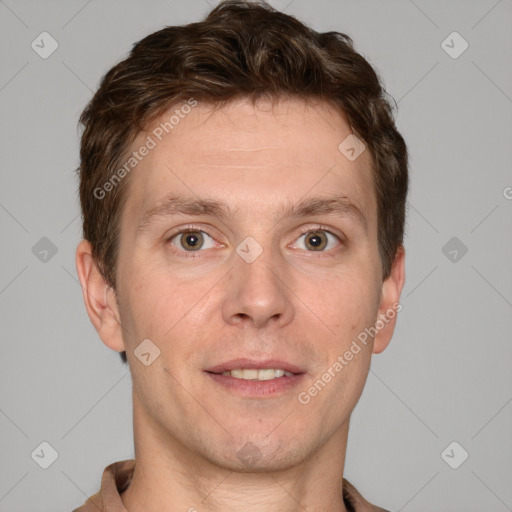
117, 477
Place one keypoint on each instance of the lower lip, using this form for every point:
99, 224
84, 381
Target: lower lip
257, 388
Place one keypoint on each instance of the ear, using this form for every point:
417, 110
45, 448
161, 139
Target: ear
390, 302
100, 298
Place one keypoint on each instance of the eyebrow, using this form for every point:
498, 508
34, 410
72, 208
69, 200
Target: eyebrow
178, 205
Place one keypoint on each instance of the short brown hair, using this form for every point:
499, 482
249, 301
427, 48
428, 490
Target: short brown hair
242, 49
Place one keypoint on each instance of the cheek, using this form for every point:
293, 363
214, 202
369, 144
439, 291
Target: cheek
347, 304
171, 313
140, 306
155, 299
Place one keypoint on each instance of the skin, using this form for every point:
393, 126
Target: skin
292, 303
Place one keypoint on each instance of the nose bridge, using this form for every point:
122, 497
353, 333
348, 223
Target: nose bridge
257, 290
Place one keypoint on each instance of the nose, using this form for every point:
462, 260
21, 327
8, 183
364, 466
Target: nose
258, 292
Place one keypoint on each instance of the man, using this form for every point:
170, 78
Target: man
243, 193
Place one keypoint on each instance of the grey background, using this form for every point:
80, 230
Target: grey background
446, 375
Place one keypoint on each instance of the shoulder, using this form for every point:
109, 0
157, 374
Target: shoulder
115, 479
93, 504
355, 501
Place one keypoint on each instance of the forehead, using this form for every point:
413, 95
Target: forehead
250, 154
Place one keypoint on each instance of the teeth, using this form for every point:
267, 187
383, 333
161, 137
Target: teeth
254, 374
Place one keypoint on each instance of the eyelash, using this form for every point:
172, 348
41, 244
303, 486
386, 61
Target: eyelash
192, 229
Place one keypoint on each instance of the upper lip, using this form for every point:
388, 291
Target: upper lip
240, 363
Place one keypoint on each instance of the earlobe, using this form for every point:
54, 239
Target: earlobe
390, 302
99, 298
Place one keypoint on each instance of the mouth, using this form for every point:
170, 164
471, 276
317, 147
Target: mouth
251, 369
258, 379
255, 374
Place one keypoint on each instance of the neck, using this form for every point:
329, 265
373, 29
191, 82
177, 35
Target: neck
171, 477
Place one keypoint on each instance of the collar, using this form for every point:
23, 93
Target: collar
118, 476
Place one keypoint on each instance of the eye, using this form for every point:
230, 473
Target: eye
318, 240
191, 240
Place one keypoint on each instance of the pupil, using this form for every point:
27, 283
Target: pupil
192, 241
315, 240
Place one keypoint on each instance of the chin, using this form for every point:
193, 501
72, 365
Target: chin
261, 456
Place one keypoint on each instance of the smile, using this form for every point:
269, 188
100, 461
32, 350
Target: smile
254, 374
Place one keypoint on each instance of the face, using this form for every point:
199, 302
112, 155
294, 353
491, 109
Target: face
249, 240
